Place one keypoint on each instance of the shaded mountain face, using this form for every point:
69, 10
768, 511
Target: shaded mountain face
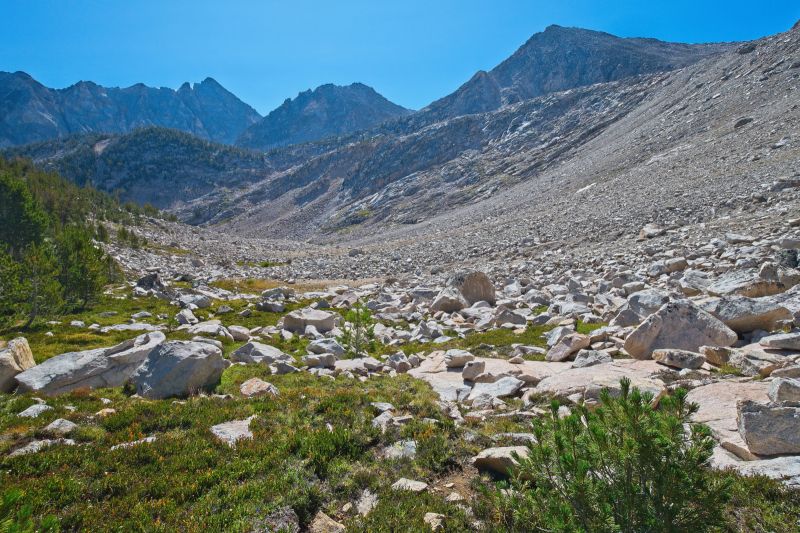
31, 112
559, 59
328, 111
153, 165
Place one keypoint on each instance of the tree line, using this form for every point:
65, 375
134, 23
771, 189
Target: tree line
50, 261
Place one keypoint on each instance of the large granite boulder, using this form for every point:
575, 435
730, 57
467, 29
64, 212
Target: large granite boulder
717, 408
679, 358
15, 357
781, 341
567, 347
502, 388
743, 314
681, 325
500, 460
258, 352
296, 321
449, 300
90, 369
456, 358
473, 286
752, 283
770, 429
639, 306
179, 368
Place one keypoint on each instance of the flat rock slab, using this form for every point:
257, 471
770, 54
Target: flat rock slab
359, 365
39, 445
785, 469
717, 410
90, 369
502, 388
147, 440
233, 431
576, 380
450, 385
34, 410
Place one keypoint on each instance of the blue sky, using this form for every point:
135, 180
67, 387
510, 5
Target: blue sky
411, 51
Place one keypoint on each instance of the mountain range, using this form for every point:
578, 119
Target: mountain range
343, 157
31, 112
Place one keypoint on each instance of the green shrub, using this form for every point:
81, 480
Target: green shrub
358, 334
624, 466
17, 517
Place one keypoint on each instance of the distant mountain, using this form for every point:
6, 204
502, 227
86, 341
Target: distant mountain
559, 59
153, 165
328, 111
31, 112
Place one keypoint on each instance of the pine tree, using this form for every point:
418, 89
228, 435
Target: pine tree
10, 287
22, 221
82, 265
40, 282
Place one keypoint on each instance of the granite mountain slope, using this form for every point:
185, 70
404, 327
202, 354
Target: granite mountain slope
635, 144
559, 59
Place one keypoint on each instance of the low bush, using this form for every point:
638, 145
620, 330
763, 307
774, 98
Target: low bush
624, 466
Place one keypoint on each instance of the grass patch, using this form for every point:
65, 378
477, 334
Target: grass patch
728, 370
256, 285
314, 448
499, 341
109, 310
262, 264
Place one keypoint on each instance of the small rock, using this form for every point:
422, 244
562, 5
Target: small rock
410, 485
255, 387
679, 358
434, 520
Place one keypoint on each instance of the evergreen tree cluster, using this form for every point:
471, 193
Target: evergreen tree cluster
49, 261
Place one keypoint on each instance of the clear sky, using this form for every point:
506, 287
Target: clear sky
411, 51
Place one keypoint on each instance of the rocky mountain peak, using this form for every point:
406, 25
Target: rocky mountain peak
561, 58
327, 111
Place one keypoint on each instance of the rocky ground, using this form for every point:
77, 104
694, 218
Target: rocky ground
711, 307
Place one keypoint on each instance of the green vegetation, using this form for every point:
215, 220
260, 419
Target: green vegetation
262, 264
129, 238
624, 466
17, 517
187, 480
135, 166
48, 261
314, 448
358, 335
